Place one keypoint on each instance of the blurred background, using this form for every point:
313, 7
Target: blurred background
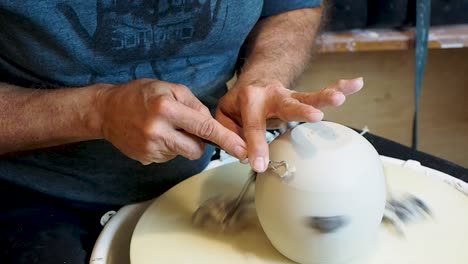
375, 39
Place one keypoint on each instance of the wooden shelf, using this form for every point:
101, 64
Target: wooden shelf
440, 37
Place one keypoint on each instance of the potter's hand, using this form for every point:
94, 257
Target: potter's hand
246, 108
154, 121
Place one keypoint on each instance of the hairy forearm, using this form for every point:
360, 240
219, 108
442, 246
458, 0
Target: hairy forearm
279, 48
38, 118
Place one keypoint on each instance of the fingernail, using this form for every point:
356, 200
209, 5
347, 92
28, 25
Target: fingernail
244, 161
259, 164
240, 152
361, 80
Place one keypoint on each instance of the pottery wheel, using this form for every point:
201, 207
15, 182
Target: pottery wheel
164, 233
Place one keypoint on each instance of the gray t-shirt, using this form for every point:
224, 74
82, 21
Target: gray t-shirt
57, 44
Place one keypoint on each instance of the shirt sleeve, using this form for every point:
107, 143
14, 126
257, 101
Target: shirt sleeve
273, 7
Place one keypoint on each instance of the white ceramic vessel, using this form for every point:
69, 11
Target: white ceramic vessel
329, 208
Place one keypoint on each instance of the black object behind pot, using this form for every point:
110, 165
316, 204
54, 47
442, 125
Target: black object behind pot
362, 14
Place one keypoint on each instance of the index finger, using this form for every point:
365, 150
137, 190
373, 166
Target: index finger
254, 126
206, 127
183, 94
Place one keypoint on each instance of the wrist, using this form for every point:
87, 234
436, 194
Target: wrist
94, 118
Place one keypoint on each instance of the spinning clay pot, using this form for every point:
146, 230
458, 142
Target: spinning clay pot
324, 204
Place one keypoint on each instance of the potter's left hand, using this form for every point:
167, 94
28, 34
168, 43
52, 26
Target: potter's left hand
246, 108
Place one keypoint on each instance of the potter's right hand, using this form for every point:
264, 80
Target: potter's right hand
154, 121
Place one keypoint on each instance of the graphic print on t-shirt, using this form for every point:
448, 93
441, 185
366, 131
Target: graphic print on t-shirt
131, 31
